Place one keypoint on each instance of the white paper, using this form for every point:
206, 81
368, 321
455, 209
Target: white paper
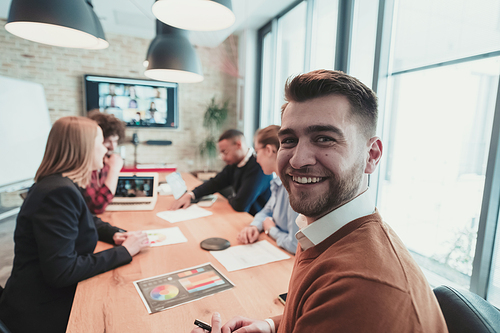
192, 212
244, 256
166, 236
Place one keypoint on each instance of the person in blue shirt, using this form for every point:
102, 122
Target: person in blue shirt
277, 218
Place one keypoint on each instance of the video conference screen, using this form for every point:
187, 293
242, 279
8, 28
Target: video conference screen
139, 103
134, 187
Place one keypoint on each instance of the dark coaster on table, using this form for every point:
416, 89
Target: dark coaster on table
215, 244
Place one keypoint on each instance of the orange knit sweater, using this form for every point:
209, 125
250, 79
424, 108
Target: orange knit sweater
360, 279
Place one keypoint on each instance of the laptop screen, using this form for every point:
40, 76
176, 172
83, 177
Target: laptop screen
134, 186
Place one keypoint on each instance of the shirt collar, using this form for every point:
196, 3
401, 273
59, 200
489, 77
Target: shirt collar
316, 232
275, 183
246, 158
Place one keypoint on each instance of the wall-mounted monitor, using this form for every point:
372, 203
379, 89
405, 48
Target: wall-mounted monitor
139, 103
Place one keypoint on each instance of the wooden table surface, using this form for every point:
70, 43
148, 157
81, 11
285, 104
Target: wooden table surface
109, 302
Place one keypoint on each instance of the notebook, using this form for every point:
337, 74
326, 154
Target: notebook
135, 191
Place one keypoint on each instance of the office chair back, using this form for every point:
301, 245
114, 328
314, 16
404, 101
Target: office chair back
466, 312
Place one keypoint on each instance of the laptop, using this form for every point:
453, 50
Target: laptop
135, 191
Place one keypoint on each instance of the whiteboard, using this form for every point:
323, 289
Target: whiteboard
24, 128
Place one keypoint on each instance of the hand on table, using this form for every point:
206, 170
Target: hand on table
135, 241
268, 223
248, 235
182, 202
120, 237
237, 325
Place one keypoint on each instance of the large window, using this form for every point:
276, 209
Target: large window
436, 68
439, 114
324, 34
437, 141
299, 40
291, 37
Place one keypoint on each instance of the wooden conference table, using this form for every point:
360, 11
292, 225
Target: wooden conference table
110, 303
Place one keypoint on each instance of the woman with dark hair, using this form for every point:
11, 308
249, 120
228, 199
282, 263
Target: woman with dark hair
56, 234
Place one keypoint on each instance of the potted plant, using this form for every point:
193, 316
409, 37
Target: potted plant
213, 120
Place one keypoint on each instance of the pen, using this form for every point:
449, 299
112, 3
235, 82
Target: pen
203, 325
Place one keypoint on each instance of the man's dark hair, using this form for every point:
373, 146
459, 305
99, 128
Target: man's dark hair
231, 134
109, 124
324, 82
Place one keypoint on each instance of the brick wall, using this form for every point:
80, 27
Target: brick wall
61, 70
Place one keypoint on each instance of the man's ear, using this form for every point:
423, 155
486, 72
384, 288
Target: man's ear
374, 154
238, 143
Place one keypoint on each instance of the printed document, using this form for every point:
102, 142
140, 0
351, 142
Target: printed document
244, 256
179, 215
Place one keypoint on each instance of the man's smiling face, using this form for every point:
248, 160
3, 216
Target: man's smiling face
323, 153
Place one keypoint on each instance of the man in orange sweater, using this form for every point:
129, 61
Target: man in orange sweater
352, 273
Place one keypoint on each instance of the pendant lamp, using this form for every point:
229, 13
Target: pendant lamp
66, 23
171, 57
199, 15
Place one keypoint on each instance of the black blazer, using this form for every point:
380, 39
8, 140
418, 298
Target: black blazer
251, 187
54, 239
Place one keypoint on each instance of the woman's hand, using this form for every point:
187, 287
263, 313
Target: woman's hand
119, 237
135, 241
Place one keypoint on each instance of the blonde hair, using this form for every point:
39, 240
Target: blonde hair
70, 150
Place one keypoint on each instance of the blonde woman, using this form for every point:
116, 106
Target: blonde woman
56, 234
277, 218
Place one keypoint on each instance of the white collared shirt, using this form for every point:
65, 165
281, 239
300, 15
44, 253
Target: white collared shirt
316, 232
246, 158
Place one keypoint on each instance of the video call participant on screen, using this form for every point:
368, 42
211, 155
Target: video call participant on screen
352, 273
56, 234
249, 184
277, 218
102, 187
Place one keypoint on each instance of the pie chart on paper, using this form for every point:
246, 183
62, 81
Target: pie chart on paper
164, 292
156, 237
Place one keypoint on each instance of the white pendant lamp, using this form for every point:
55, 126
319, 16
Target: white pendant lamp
65, 23
198, 15
171, 57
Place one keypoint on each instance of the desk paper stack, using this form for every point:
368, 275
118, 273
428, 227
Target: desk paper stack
179, 215
244, 256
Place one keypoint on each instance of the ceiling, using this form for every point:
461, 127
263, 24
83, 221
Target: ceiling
135, 18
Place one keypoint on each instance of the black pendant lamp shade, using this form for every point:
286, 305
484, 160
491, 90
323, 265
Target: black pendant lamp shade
171, 57
66, 23
199, 15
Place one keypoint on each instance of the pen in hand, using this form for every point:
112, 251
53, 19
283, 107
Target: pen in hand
203, 325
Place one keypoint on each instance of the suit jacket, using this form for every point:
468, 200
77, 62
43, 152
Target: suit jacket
251, 187
55, 238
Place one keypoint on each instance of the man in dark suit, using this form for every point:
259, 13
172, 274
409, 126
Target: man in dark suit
250, 186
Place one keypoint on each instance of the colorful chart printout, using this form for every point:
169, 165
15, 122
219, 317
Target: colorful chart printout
161, 292
201, 282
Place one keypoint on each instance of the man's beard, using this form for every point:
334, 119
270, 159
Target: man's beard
340, 191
